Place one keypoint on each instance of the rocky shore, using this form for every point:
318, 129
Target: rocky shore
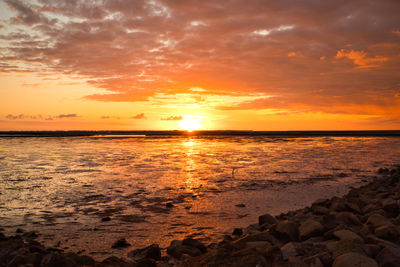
359, 229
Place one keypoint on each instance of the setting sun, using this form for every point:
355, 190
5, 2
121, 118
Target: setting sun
190, 124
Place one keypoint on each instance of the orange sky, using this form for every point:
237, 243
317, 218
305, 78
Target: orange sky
163, 65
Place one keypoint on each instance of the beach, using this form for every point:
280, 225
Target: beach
361, 228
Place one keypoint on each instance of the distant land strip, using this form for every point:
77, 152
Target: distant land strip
383, 133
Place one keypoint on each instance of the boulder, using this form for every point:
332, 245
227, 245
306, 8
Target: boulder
56, 259
377, 220
354, 260
287, 230
389, 256
390, 207
120, 243
347, 235
266, 219
310, 228
150, 252
194, 243
348, 218
290, 250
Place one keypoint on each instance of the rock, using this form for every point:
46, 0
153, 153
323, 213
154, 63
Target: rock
19, 231
348, 218
150, 252
389, 256
319, 210
290, 250
390, 207
194, 243
56, 259
377, 220
354, 260
310, 228
121, 243
30, 235
287, 230
353, 207
237, 231
169, 204
347, 235
177, 250
106, 219
146, 263
388, 232
258, 244
240, 205
81, 260
266, 219
115, 261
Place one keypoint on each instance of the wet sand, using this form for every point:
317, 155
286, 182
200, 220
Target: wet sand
362, 226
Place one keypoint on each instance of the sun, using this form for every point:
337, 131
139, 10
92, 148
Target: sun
190, 124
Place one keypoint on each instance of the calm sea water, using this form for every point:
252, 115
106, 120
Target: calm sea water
64, 186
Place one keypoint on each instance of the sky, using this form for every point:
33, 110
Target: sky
187, 65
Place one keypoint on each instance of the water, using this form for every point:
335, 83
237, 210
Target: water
63, 186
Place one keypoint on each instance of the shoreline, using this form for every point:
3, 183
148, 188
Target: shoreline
363, 226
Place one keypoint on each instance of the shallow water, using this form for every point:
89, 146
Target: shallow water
63, 187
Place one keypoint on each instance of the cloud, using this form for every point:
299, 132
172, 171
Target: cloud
62, 116
360, 58
172, 118
39, 117
138, 116
137, 50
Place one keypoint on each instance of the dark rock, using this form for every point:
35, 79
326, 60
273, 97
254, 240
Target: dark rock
287, 230
121, 243
30, 235
115, 261
390, 207
377, 220
19, 231
194, 243
240, 205
56, 259
81, 260
389, 256
347, 235
169, 204
291, 249
106, 219
237, 231
319, 210
354, 259
266, 219
146, 263
348, 218
150, 252
310, 228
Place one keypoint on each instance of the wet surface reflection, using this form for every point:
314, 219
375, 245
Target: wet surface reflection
86, 192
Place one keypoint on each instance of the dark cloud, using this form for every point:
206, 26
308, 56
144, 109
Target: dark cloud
306, 56
39, 117
139, 116
172, 118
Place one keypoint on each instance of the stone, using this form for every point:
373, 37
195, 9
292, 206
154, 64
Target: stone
56, 259
390, 207
377, 220
266, 219
347, 235
389, 256
150, 252
237, 231
287, 230
290, 250
169, 204
258, 244
354, 260
240, 205
310, 228
121, 243
106, 219
177, 250
319, 210
194, 243
388, 232
348, 218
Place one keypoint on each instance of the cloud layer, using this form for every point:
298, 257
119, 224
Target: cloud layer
330, 56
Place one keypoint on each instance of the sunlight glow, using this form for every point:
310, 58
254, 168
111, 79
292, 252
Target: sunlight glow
190, 124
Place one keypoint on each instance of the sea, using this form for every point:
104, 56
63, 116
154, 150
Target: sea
82, 192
